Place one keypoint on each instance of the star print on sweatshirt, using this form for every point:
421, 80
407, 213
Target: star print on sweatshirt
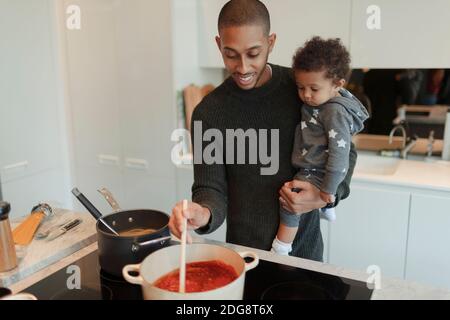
327, 141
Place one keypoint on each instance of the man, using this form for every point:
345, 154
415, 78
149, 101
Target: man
260, 96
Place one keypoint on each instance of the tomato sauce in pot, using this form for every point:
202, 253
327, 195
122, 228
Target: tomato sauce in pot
200, 276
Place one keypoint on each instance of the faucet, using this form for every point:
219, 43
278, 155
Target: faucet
411, 143
408, 143
402, 129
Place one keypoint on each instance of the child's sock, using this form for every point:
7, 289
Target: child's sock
328, 214
280, 247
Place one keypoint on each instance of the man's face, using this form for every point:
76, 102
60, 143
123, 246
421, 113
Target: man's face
245, 51
314, 88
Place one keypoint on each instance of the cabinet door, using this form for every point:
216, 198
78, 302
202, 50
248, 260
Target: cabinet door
428, 258
209, 55
29, 134
146, 90
294, 21
371, 229
147, 192
413, 34
93, 85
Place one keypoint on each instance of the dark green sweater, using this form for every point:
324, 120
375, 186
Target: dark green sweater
238, 192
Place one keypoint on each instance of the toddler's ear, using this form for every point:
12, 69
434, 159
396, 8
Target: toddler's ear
339, 84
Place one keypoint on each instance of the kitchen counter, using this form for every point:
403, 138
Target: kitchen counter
417, 171
389, 288
39, 255
423, 173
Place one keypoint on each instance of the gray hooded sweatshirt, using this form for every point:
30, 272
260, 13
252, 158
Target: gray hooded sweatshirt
323, 139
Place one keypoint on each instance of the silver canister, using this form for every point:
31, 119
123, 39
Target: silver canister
8, 258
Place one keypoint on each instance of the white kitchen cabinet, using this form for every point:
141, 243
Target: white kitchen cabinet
428, 258
209, 55
123, 100
31, 154
145, 77
371, 229
93, 86
413, 34
294, 22
148, 192
29, 136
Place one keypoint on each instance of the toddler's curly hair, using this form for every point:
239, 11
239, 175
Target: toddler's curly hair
323, 55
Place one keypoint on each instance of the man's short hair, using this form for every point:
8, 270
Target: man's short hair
236, 13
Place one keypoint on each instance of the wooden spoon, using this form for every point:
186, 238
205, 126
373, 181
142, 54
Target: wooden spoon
183, 252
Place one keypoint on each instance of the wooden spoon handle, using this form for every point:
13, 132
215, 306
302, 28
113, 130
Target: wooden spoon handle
23, 234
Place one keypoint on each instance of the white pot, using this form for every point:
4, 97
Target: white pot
165, 260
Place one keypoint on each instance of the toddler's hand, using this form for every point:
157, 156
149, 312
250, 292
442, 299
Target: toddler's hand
328, 198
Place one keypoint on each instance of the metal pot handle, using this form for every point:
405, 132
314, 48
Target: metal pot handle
110, 198
137, 245
249, 254
132, 279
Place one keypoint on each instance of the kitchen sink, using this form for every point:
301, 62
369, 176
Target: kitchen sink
377, 165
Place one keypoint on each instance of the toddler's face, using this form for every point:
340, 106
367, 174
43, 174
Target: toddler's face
314, 88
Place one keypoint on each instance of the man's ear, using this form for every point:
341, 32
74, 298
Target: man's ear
219, 44
272, 40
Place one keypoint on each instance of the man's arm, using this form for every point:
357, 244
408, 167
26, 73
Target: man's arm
308, 198
208, 210
210, 182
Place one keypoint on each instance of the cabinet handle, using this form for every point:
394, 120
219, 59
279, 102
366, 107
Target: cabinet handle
17, 165
108, 159
139, 164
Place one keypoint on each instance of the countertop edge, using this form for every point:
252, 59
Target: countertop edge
387, 288
56, 266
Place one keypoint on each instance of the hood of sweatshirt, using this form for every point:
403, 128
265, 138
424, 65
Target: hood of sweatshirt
354, 107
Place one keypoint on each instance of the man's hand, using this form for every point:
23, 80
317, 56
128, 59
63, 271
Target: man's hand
327, 197
197, 217
306, 200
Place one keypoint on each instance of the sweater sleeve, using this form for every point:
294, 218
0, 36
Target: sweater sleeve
343, 190
336, 122
210, 183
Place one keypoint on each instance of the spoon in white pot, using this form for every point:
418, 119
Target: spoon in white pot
183, 251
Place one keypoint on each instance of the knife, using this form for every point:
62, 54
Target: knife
60, 231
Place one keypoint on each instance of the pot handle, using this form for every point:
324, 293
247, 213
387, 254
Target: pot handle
137, 245
110, 198
132, 279
249, 254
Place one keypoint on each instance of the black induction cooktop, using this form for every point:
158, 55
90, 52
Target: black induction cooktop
268, 281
